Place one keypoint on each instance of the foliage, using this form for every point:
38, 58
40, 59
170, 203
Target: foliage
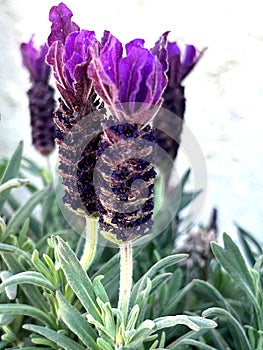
48, 301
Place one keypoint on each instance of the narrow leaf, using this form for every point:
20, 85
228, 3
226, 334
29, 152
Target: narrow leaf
76, 322
143, 331
8, 248
29, 277
11, 291
235, 328
195, 323
198, 344
233, 262
13, 183
25, 211
161, 264
99, 289
22, 309
58, 338
11, 172
77, 277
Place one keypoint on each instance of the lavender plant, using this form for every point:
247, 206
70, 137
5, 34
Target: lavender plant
108, 100
55, 295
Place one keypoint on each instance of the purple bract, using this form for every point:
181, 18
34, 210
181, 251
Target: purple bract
69, 55
131, 86
34, 61
181, 62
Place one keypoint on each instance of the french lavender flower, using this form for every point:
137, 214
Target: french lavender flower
106, 161
41, 97
180, 64
132, 87
69, 55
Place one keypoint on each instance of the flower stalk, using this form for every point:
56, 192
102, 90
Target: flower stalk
91, 241
126, 271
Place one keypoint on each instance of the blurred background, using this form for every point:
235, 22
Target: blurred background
224, 92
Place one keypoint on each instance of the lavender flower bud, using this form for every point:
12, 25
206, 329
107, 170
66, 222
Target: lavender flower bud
41, 98
179, 66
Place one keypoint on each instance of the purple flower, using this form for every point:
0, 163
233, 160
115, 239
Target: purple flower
69, 55
41, 97
181, 62
131, 86
34, 61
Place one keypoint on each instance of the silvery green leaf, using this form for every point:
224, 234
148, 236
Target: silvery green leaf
143, 331
8, 248
12, 258
13, 183
210, 291
24, 212
177, 297
40, 266
235, 328
133, 316
102, 330
23, 234
77, 277
10, 290
142, 300
103, 345
58, 338
159, 280
22, 309
107, 317
2, 226
76, 322
28, 277
251, 247
193, 322
233, 262
161, 264
198, 344
99, 289
5, 319
11, 172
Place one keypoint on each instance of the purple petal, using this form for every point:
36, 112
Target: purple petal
60, 16
34, 61
130, 69
110, 56
160, 50
173, 49
134, 43
29, 56
55, 59
70, 45
43, 68
101, 79
156, 83
192, 56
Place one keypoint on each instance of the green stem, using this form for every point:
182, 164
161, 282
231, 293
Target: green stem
126, 269
91, 241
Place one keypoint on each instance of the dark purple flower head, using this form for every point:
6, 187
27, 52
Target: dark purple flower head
69, 55
34, 61
41, 97
131, 86
181, 62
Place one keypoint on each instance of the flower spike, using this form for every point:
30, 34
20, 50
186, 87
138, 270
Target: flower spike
41, 97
